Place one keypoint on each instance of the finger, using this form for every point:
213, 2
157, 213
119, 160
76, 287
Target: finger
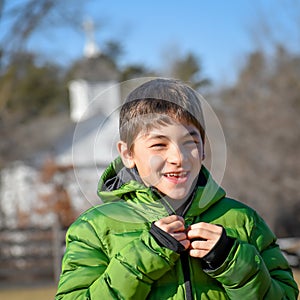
205, 232
172, 218
179, 236
198, 253
176, 226
204, 235
203, 245
200, 225
207, 226
169, 220
165, 224
185, 243
198, 234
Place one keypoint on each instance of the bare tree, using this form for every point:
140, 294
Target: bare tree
188, 68
275, 24
20, 19
261, 125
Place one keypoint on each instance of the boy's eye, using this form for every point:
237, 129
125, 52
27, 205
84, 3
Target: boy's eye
158, 145
192, 142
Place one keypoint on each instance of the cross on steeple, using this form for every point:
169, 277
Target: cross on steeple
91, 48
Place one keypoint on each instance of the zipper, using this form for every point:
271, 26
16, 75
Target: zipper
184, 256
184, 259
164, 202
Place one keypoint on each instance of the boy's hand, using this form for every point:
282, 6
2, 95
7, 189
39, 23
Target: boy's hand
204, 237
174, 226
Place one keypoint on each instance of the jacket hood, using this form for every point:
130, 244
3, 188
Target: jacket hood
118, 183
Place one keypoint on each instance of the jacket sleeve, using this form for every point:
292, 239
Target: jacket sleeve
88, 273
256, 269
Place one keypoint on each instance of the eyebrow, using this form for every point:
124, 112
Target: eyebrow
192, 133
157, 136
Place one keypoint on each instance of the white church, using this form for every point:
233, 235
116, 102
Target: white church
75, 163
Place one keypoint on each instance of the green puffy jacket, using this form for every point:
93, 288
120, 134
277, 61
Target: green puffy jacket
110, 253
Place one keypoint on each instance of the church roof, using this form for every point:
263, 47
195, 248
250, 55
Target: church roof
95, 69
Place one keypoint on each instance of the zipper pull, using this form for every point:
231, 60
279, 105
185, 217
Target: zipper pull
163, 201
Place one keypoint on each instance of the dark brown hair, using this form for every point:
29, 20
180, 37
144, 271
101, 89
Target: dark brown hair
157, 102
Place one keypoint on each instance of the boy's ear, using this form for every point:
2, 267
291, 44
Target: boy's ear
125, 154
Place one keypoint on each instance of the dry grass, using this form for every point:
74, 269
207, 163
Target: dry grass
45, 293
48, 293
297, 276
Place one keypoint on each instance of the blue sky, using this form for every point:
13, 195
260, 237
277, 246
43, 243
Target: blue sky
220, 33
213, 30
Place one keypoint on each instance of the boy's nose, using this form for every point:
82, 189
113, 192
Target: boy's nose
175, 155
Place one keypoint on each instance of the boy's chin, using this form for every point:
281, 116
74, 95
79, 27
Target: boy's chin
177, 196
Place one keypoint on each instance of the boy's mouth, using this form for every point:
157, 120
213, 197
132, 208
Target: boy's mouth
176, 177
176, 174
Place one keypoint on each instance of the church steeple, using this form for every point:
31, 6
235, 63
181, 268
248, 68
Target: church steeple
91, 48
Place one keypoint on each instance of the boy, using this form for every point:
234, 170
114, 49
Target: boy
166, 230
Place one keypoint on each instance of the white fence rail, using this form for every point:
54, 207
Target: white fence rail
31, 255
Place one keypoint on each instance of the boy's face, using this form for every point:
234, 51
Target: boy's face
168, 157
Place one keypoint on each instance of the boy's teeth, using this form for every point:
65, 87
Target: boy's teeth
176, 174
